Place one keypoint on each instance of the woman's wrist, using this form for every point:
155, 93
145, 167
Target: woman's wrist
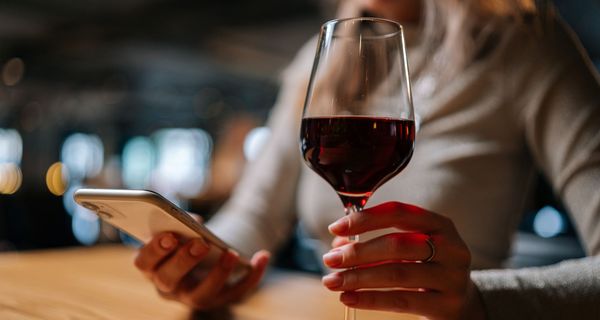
474, 310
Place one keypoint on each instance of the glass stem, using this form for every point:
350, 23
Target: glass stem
350, 313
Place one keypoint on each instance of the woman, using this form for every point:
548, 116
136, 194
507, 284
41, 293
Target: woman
499, 91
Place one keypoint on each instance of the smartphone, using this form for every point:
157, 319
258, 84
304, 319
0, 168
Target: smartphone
143, 214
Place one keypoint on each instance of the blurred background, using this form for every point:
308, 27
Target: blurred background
135, 94
166, 96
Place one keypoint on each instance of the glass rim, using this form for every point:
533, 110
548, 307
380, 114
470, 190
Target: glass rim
332, 23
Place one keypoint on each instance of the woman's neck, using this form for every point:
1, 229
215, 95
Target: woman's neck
406, 12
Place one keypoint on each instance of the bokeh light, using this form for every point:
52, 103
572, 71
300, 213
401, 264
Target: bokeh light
83, 155
255, 141
548, 222
13, 71
11, 178
11, 151
68, 201
139, 157
57, 178
86, 226
183, 159
11, 146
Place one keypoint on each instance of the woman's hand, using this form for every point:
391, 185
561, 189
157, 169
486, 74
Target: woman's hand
438, 289
170, 264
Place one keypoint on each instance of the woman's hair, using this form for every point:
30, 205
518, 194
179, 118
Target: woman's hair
455, 33
458, 30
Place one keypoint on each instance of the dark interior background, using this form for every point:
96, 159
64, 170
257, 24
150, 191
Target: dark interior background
113, 71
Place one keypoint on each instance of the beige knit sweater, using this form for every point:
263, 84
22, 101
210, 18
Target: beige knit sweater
532, 103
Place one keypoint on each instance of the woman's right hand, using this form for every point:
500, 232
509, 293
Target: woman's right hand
169, 263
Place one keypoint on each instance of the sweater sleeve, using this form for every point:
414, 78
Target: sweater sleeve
561, 123
568, 290
261, 210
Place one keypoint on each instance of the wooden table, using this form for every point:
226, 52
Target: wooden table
101, 283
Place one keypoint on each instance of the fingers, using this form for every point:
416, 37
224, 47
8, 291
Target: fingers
259, 263
170, 273
339, 241
432, 277
436, 288
390, 214
407, 247
430, 304
154, 252
169, 265
202, 296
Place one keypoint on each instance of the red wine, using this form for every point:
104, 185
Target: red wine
356, 155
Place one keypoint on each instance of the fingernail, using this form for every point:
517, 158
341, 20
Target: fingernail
333, 258
198, 247
339, 226
229, 259
349, 298
168, 242
334, 280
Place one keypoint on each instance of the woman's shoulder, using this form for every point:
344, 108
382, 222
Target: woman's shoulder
545, 45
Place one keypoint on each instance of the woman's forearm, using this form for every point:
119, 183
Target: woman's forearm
568, 290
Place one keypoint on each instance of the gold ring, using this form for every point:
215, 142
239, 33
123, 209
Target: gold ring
429, 242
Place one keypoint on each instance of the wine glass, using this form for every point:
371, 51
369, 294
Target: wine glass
358, 127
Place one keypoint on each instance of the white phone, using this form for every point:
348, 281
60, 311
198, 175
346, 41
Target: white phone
143, 214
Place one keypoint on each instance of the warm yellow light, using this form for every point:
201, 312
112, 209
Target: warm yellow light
3, 178
56, 179
18, 180
11, 178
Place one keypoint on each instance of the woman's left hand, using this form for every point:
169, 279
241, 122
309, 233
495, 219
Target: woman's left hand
439, 288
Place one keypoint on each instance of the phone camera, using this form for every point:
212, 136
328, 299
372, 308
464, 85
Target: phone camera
105, 215
89, 206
